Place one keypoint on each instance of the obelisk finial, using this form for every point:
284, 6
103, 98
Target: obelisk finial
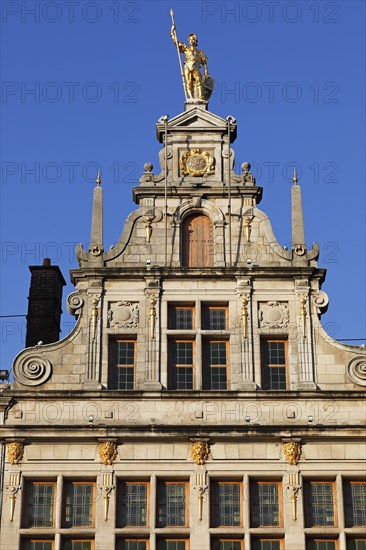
294, 179
98, 181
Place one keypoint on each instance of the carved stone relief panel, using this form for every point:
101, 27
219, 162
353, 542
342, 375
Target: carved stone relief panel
123, 315
273, 314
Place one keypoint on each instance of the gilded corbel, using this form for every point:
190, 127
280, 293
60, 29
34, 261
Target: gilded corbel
152, 318
303, 313
248, 227
244, 316
148, 227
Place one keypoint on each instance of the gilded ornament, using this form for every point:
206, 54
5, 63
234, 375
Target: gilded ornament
107, 452
292, 452
200, 452
197, 162
15, 452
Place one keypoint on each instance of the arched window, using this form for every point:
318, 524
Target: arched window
197, 241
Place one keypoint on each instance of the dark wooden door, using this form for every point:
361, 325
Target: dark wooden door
197, 241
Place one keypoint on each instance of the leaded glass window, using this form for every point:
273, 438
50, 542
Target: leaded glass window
214, 318
122, 364
40, 504
265, 504
356, 543
225, 544
215, 365
78, 545
172, 504
37, 545
134, 504
274, 354
181, 365
79, 499
319, 504
226, 504
132, 544
181, 317
355, 503
171, 544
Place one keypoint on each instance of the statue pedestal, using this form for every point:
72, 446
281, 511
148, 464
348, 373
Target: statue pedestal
200, 103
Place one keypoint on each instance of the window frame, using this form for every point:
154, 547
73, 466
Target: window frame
172, 366
112, 367
93, 504
322, 539
25, 516
207, 307
259, 538
119, 515
214, 484
32, 538
207, 367
81, 539
159, 483
280, 524
127, 538
355, 538
307, 494
215, 541
172, 539
172, 308
348, 505
265, 340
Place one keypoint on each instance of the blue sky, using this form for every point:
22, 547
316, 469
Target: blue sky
83, 84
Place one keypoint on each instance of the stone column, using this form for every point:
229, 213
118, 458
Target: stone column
245, 324
153, 335
304, 336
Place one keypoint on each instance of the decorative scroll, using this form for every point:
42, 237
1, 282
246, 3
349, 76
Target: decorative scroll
200, 452
32, 370
107, 487
74, 304
273, 315
356, 370
107, 452
123, 315
320, 300
292, 452
12, 489
293, 488
200, 487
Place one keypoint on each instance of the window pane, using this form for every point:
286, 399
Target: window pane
182, 318
122, 365
79, 506
273, 355
172, 504
227, 545
134, 504
319, 504
355, 504
264, 505
37, 545
131, 545
227, 504
356, 544
214, 319
164, 544
40, 499
77, 545
321, 545
215, 376
265, 544
181, 365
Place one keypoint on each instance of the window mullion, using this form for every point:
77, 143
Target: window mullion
58, 501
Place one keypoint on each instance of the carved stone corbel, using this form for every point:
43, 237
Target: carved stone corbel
200, 451
292, 451
108, 451
294, 488
200, 486
15, 451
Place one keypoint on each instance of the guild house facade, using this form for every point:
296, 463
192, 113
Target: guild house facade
198, 403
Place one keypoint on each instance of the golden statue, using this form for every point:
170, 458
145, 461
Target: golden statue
196, 85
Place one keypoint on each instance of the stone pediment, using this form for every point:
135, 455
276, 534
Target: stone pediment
196, 119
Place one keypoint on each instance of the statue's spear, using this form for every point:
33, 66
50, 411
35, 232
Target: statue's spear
180, 61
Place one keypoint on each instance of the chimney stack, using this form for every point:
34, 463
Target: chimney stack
44, 304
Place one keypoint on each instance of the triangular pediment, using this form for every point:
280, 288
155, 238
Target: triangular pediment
196, 118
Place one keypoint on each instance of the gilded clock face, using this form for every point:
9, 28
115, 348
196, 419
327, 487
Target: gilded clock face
197, 163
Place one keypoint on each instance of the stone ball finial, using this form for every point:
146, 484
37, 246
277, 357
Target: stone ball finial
245, 167
148, 167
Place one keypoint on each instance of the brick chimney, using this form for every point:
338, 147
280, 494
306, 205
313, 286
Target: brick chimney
44, 304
